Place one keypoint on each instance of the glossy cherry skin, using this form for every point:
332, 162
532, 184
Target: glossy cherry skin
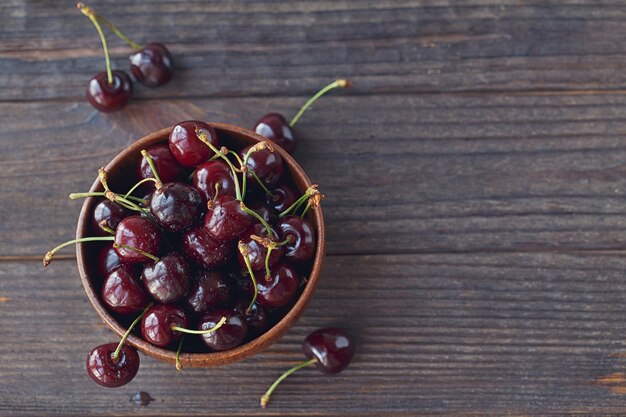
210, 290
187, 148
210, 173
303, 240
227, 220
140, 233
107, 260
122, 292
153, 65
282, 197
267, 165
280, 289
176, 206
109, 212
230, 335
156, 324
107, 97
257, 319
256, 251
168, 279
103, 370
333, 348
240, 281
167, 166
203, 249
274, 127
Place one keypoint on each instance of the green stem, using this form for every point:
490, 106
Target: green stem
331, 86
211, 330
87, 11
296, 204
244, 252
148, 158
143, 181
258, 180
74, 196
104, 226
179, 367
144, 253
207, 142
118, 33
306, 208
116, 354
268, 273
257, 216
48, 258
266, 397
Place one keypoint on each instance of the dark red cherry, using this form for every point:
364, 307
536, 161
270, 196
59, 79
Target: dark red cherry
140, 233
110, 373
280, 289
122, 292
167, 166
274, 127
176, 206
156, 324
239, 279
204, 250
187, 148
256, 251
267, 165
210, 290
153, 65
282, 197
168, 279
210, 173
266, 212
109, 212
230, 335
107, 260
257, 319
303, 241
109, 97
333, 348
227, 220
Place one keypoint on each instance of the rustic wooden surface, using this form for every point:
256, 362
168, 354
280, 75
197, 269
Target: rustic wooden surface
475, 177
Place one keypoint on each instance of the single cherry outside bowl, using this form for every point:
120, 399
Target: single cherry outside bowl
121, 174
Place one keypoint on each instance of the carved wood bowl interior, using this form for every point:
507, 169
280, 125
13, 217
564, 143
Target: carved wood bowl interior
122, 173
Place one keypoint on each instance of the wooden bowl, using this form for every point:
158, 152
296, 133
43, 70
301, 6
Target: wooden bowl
117, 170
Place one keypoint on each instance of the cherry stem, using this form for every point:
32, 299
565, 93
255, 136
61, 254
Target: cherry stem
144, 253
143, 181
104, 180
244, 164
211, 330
116, 354
306, 208
310, 192
74, 196
243, 249
117, 32
206, 141
258, 180
104, 226
331, 86
179, 367
48, 258
266, 397
257, 216
148, 158
87, 11
268, 272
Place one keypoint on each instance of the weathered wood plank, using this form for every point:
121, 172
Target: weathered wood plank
289, 48
402, 174
454, 334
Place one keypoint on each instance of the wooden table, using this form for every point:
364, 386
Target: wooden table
475, 179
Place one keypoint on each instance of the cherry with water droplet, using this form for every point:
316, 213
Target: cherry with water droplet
230, 335
203, 249
122, 292
152, 65
166, 165
226, 220
212, 176
157, 323
167, 280
109, 372
134, 235
187, 147
176, 206
281, 287
301, 247
210, 290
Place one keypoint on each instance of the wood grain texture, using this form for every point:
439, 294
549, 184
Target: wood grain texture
529, 332
410, 174
277, 48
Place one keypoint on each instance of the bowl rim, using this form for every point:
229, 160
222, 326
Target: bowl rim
202, 360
